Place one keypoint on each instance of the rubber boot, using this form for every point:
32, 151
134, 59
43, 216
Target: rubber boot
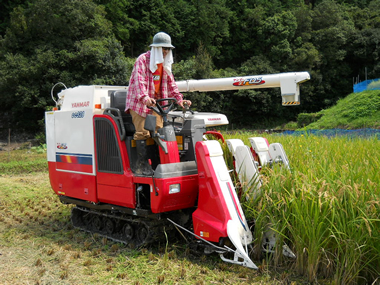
142, 165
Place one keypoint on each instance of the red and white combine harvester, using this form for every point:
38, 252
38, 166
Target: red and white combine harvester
92, 157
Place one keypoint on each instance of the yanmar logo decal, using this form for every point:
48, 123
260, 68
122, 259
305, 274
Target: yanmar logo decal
248, 81
80, 104
214, 119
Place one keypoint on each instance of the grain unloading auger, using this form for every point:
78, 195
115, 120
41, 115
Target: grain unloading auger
288, 82
92, 159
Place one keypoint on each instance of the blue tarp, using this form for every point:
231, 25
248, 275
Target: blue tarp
337, 132
363, 86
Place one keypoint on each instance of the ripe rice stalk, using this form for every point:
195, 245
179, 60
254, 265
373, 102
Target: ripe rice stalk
329, 203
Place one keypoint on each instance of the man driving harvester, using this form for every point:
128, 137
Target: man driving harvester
151, 79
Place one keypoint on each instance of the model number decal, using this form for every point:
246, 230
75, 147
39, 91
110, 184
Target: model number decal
78, 115
248, 81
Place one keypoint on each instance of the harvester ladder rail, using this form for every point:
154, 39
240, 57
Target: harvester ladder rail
206, 241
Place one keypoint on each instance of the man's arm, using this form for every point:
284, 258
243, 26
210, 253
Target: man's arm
174, 92
141, 77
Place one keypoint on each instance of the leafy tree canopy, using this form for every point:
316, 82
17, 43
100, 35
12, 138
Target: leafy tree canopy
69, 41
97, 41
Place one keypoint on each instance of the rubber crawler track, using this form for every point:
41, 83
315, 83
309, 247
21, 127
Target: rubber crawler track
120, 227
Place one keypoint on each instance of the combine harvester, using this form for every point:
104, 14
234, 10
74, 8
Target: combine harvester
92, 157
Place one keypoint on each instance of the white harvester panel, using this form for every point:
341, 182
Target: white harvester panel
278, 154
260, 146
75, 140
248, 171
245, 166
232, 144
210, 119
50, 135
70, 131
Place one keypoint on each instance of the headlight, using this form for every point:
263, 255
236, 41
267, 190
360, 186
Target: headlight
174, 188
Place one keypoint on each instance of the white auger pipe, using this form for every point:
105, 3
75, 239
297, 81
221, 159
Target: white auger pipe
288, 82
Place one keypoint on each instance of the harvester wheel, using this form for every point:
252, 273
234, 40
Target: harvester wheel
142, 233
128, 232
86, 219
109, 226
97, 223
76, 217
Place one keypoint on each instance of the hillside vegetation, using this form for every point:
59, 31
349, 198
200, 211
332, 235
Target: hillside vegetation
357, 110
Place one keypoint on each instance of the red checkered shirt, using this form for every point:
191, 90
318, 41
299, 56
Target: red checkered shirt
141, 86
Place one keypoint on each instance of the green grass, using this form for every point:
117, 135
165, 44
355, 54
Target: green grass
327, 208
23, 161
357, 110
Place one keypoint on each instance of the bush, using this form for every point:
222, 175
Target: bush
291, 126
305, 119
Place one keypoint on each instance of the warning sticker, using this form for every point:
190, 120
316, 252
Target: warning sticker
291, 103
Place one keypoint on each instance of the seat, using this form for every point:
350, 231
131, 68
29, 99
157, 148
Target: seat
117, 100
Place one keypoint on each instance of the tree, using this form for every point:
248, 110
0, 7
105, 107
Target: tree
189, 23
68, 41
6, 7
276, 34
136, 22
74, 41
364, 50
332, 29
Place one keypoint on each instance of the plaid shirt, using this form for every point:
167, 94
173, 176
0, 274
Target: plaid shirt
141, 86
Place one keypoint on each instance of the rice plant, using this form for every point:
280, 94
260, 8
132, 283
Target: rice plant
327, 209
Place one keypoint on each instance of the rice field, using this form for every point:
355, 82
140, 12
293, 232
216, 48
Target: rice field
327, 209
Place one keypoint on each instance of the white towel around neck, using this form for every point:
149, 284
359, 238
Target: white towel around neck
157, 57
